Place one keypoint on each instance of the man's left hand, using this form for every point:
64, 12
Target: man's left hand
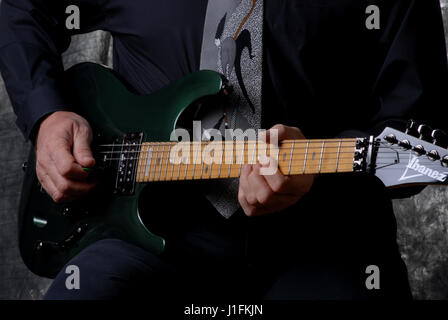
262, 194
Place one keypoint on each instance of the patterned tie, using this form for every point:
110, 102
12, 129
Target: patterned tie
232, 45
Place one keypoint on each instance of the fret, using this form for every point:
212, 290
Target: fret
210, 158
339, 154
202, 166
321, 156
291, 156
146, 158
152, 175
242, 157
161, 163
173, 163
217, 159
222, 159
306, 156
146, 155
187, 163
196, 147
179, 166
231, 161
165, 178
148, 162
254, 152
205, 166
330, 156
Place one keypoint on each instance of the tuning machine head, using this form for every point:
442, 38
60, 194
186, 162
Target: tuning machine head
439, 138
444, 161
391, 139
411, 128
424, 132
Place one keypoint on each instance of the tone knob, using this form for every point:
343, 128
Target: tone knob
439, 138
424, 132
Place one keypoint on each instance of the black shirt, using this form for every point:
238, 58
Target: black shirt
324, 70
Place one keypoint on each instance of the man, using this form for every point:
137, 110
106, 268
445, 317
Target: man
324, 72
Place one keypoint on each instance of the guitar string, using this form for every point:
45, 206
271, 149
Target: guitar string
392, 150
281, 148
327, 155
283, 142
293, 164
243, 143
234, 141
388, 166
297, 154
189, 176
299, 167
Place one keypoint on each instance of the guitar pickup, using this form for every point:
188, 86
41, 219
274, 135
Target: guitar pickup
127, 166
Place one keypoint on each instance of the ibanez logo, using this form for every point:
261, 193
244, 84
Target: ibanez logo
414, 165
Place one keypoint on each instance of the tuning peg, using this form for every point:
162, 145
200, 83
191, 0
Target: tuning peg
444, 161
439, 138
391, 138
411, 128
424, 132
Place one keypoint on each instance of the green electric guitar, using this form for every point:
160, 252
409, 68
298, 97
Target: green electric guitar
133, 150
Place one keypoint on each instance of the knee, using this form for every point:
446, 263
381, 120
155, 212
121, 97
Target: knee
107, 269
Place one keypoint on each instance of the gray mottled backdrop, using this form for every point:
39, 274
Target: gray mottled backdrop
422, 220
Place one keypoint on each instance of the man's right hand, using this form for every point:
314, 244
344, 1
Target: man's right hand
62, 150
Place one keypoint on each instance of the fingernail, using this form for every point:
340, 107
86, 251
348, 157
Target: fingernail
264, 160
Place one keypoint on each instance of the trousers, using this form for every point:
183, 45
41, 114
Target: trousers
319, 249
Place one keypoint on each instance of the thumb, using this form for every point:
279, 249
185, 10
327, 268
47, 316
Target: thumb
81, 148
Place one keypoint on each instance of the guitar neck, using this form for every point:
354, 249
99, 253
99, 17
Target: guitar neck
174, 161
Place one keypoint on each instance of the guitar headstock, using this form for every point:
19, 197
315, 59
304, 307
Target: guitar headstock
415, 157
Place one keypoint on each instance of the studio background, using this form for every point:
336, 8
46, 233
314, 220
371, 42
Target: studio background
422, 220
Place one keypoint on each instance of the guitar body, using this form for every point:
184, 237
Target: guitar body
51, 234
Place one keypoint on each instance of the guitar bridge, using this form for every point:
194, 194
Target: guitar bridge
127, 166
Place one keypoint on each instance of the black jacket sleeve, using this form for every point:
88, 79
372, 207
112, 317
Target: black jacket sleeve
413, 80
33, 35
